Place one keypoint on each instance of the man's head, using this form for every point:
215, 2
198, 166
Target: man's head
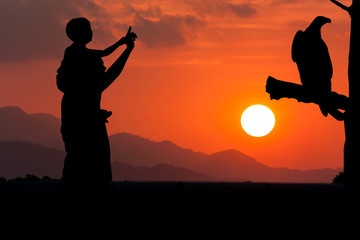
79, 30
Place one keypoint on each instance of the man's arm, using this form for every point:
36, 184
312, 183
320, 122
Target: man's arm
116, 68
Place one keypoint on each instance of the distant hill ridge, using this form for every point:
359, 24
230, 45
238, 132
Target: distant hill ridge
20, 158
39, 128
140, 156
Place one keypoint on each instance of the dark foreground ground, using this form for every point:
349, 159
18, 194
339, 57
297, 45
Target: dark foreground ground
176, 210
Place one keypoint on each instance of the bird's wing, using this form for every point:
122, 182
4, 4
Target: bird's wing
328, 68
297, 45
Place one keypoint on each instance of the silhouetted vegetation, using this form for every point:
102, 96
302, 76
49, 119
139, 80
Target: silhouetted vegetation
29, 178
46, 179
339, 179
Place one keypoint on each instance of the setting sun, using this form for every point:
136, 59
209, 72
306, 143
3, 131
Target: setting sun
258, 120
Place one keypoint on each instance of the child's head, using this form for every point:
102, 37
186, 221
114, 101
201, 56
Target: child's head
79, 30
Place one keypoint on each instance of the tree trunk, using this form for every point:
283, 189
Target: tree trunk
352, 120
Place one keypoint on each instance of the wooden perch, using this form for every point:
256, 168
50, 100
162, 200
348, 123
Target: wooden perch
280, 89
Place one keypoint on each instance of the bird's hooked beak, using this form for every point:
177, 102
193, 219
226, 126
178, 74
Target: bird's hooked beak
317, 23
327, 20
321, 20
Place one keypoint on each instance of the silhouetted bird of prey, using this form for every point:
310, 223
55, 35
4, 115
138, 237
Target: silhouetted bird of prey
312, 57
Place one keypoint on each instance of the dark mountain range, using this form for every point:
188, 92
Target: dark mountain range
139, 151
20, 158
159, 172
228, 165
135, 158
39, 128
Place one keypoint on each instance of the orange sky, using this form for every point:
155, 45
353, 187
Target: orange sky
196, 66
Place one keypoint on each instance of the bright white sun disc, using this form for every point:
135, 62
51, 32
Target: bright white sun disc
258, 120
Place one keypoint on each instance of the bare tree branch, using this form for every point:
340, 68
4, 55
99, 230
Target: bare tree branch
341, 5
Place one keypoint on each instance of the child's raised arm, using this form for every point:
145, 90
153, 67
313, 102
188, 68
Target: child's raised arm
116, 68
112, 48
122, 41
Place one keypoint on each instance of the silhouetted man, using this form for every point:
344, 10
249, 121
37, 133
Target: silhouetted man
82, 77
